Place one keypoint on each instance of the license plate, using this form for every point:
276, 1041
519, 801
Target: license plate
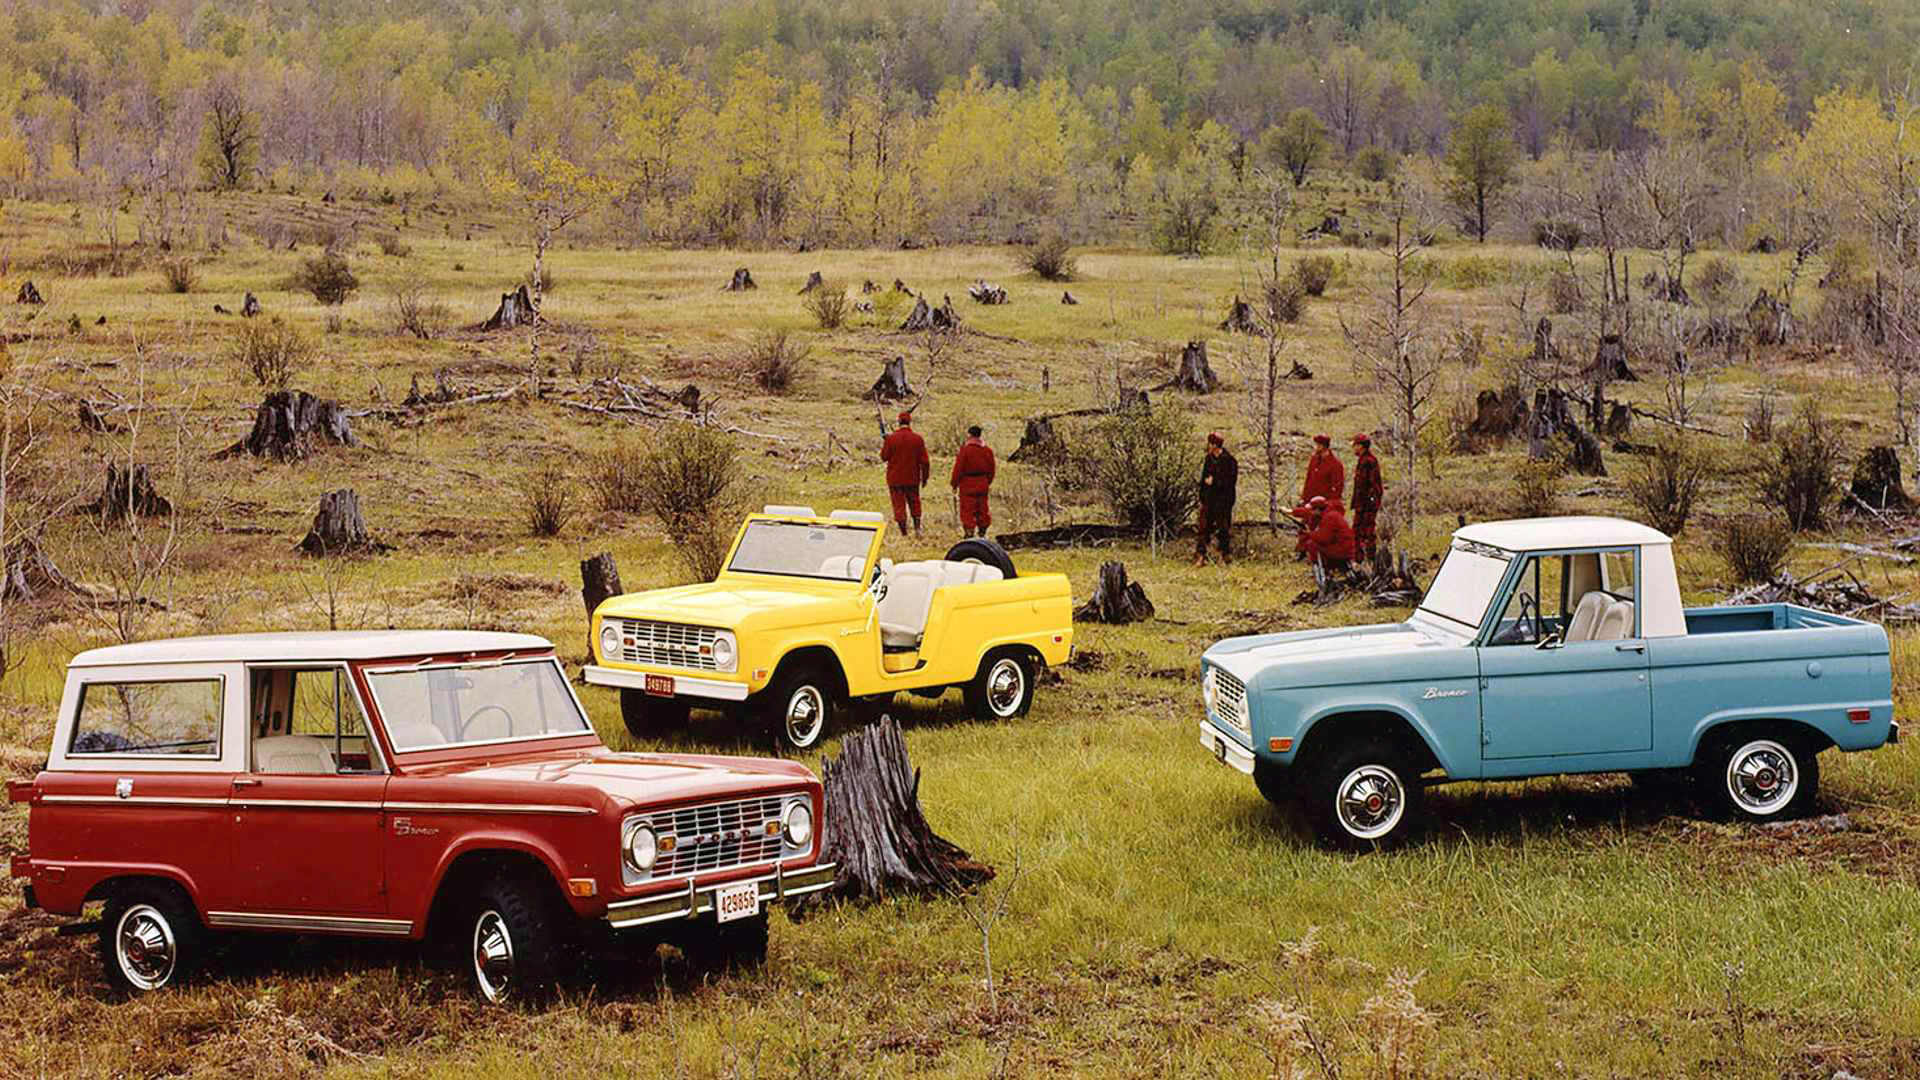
736, 902
660, 685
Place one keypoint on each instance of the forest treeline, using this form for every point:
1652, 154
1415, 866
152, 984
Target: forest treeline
891, 121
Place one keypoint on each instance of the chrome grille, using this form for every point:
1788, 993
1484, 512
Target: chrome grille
1230, 699
717, 836
665, 644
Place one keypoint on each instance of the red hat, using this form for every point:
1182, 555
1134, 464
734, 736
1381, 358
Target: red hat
1323, 440
1214, 439
1317, 502
906, 418
1363, 439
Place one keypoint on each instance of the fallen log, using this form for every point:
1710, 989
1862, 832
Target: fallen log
874, 831
1114, 599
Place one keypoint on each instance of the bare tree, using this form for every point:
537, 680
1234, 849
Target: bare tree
230, 135
1261, 403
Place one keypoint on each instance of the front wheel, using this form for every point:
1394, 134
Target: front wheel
1364, 796
151, 938
1760, 777
1003, 688
648, 716
513, 935
801, 706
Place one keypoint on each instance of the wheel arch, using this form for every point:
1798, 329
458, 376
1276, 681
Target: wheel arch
1341, 724
477, 861
1805, 736
107, 886
815, 654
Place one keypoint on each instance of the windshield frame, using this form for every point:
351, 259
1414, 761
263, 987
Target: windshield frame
1472, 547
367, 671
867, 560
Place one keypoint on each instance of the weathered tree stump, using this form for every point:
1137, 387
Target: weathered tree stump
1767, 319
1876, 481
28, 294
27, 574
892, 383
1040, 443
984, 292
1661, 287
220, 310
516, 309
1067, 299
814, 281
868, 288
289, 423
1195, 375
1498, 414
250, 306
1610, 361
1764, 246
599, 579
91, 419
128, 493
874, 831
926, 317
1115, 599
1240, 319
741, 281
338, 527
1552, 417
1619, 420
901, 287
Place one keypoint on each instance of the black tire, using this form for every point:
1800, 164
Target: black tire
716, 948
1277, 785
151, 937
982, 550
513, 939
1003, 687
649, 717
801, 707
1364, 795
869, 709
1758, 774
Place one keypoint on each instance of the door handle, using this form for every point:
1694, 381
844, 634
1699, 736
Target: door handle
242, 781
1631, 646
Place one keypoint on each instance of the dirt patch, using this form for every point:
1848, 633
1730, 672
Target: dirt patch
1875, 843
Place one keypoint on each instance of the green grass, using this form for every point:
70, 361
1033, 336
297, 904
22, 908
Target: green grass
1562, 927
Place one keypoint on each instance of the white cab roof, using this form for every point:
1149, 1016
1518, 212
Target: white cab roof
1554, 533
299, 646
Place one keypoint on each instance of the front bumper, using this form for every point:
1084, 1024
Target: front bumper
1225, 748
683, 685
693, 902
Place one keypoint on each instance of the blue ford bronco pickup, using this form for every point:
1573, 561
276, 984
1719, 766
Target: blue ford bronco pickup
1545, 646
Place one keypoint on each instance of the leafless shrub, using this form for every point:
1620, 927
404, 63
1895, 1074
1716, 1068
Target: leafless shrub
1314, 273
829, 305
1563, 293
1397, 1027
1801, 478
1759, 422
1667, 483
1050, 257
272, 351
617, 480
1536, 485
773, 360
690, 479
180, 275
546, 499
1286, 300
391, 244
1754, 546
1715, 283
416, 313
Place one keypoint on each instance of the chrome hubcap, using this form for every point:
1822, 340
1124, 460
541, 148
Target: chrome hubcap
1370, 801
145, 943
806, 714
1761, 777
1006, 683
492, 956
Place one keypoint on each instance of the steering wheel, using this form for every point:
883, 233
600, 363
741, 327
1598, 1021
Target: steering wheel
477, 713
1526, 625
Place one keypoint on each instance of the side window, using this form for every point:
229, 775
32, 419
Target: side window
309, 721
163, 719
1534, 608
1620, 579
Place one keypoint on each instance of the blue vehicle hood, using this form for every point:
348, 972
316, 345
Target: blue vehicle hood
1343, 655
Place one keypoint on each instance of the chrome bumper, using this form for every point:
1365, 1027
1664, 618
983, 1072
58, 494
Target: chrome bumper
683, 685
1225, 748
693, 902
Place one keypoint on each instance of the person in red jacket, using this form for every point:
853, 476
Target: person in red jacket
972, 476
1368, 492
1328, 538
908, 470
1326, 479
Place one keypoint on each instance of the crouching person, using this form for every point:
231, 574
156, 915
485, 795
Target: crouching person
1328, 539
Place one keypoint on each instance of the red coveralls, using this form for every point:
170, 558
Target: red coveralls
1327, 478
908, 467
973, 469
1330, 540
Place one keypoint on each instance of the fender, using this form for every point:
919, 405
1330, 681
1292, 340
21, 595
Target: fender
515, 841
97, 875
1454, 768
1807, 716
810, 643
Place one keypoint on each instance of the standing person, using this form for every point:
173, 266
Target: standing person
1368, 493
1219, 484
1328, 537
908, 470
972, 477
1326, 479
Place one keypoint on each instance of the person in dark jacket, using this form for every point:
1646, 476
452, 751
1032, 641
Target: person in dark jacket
1219, 484
1328, 537
972, 477
1368, 492
908, 470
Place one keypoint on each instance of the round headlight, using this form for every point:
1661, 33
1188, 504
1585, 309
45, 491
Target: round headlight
723, 656
609, 641
642, 849
797, 823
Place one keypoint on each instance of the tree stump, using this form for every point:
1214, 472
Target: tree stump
901, 287
1115, 600
1195, 375
27, 574
599, 579
1619, 420
1040, 443
868, 288
984, 292
219, 309
289, 423
1298, 371
338, 527
515, 310
1067, 299
892, 383
1610, 361
1553, 417
1764, 246
128, 493
250, 306
28, 294
742, 281
1240, 319
1767, 319
1498, 414
926, 317
814, 281
1876, 481
875, 832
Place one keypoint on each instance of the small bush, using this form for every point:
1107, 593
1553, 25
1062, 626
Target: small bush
415, 313
1715, 282
1314, 273
1287, 300
328, 277
828, 304
180, 275
1050, 257
271, 351
1471, 272
1536, 486
1754, 546
1848, 264
1564, 295
1557, 235
773, 361
1375, 163
690, 477
617, 481
1801, 478
1143, 461
546, 499
1759, 422
1667, 483
391, 244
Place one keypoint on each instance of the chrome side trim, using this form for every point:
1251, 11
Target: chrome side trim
305, 804
141, 800
486, 808
683, 685
1225, 747
695, 901
328, 924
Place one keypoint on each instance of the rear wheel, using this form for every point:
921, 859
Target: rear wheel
648, 716
801, 707
982, 550
1003, 688
1364, 796
151, 937
514, 936
1757, 775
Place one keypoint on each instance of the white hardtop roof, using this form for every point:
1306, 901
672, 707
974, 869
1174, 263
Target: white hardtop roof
301, 646
1554, 533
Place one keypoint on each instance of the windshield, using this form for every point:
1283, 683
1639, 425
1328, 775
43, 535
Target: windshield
424, 708
796, 549
1464, 586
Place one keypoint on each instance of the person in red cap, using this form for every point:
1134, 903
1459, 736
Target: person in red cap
908, 470
1328, 538
1368, 492
972, 477
1219, 486
1326, 479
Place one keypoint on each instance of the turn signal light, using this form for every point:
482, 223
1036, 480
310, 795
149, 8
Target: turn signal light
667, 843
1279, 746
582, 887
1859, 716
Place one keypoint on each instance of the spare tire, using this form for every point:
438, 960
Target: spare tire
982, 550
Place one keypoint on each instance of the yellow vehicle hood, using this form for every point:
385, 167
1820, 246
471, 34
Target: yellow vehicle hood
732, 602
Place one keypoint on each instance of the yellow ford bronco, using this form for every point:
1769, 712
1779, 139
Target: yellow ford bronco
807, 620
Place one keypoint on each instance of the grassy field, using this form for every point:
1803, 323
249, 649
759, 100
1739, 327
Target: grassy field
1162, 919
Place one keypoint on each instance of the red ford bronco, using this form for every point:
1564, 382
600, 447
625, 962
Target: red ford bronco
409, 784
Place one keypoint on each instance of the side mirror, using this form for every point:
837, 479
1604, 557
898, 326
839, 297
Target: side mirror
1551, 641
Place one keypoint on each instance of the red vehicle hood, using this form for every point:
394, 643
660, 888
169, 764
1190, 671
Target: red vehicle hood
627, 779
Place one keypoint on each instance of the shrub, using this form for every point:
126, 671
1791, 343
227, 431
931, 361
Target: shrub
1375, 163
616, 480
546, 498
773, 361
1144, 462
1314, 273
1050, 257
1759, 423
391, 244
1471, 272
1536, 485
271, 351
418, 315
1800, 479
328, 277
1564, 296
828, 304
1557, 235
1715, 282
1753, 545
689, 479
1848, 263
1287, 299
180, 275
1666, 484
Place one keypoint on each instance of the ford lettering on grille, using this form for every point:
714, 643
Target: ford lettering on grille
665, 644
717, 836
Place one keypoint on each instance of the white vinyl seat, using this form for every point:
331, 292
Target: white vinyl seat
843, 567
411, 734
1586, 616
909, 597
1617, 623
295, 754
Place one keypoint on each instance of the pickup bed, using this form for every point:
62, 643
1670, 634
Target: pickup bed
1547, 646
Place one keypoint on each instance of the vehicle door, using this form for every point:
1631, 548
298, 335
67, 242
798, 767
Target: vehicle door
308, 835
1559, 681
